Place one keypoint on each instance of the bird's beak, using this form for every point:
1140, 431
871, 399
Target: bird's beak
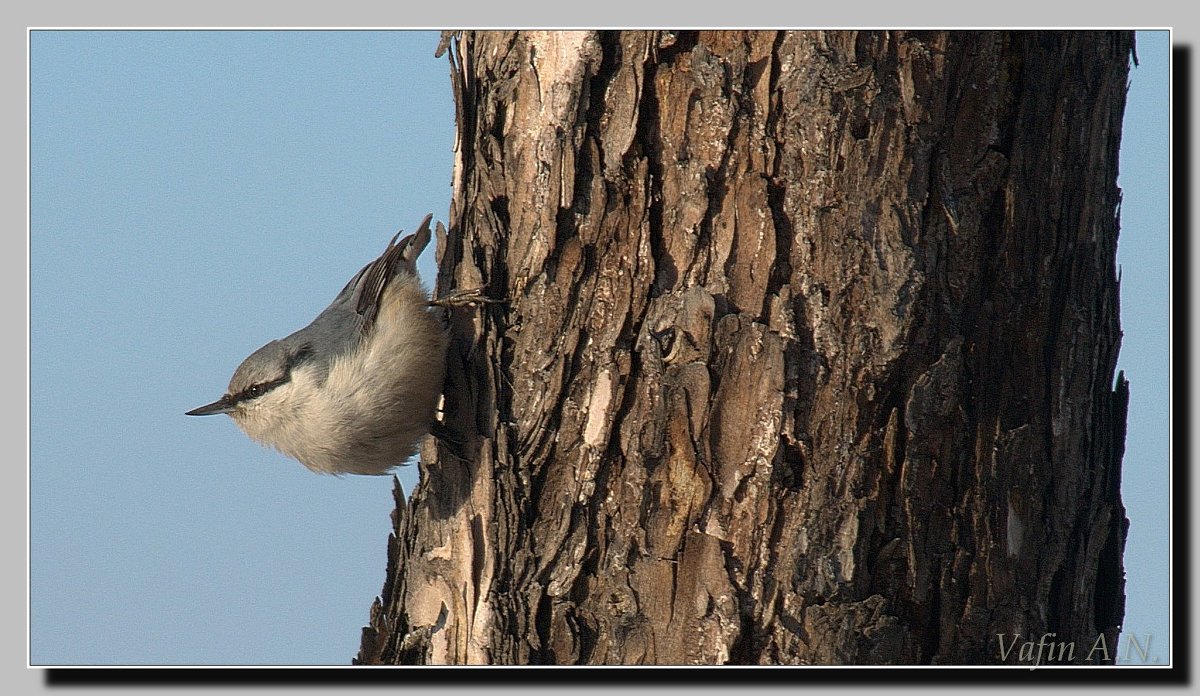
222, 405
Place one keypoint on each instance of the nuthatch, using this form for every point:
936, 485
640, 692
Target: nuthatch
354, 391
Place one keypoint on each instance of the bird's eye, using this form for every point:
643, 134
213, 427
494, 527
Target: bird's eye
255, 391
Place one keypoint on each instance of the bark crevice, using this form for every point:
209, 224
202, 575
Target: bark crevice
806, 356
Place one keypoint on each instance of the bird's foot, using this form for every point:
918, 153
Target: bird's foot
464, 298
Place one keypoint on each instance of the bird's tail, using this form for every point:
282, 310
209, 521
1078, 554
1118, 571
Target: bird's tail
415, 243
371, 281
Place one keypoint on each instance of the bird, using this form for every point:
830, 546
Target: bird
356, 390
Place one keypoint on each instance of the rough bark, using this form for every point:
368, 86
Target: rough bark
807, 355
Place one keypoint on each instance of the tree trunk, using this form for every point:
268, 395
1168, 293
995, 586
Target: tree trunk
806, 356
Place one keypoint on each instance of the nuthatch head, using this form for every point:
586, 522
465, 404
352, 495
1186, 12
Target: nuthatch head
355, 390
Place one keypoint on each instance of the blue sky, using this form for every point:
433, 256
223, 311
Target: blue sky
1143, 255
195, 194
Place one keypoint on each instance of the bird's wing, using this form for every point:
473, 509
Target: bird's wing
375, 276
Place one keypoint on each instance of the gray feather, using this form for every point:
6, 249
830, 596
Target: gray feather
343, 324
374, 279
357, 389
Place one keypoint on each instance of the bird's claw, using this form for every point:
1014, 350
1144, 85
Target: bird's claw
464, 298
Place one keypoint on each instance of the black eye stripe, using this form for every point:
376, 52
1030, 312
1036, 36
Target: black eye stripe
256, 390
303, 353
